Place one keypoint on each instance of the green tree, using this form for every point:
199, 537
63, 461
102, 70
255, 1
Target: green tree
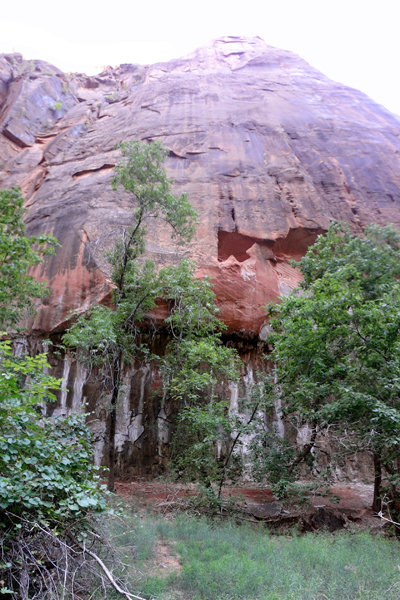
195, 367
51, 541
18, 254
48, 485
336, 346
109, 337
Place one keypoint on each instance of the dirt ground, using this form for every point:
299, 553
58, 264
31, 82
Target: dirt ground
349, 505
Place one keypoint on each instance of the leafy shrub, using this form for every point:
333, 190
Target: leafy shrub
48, 485
45, 464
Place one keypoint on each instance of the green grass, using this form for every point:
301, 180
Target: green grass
228, 562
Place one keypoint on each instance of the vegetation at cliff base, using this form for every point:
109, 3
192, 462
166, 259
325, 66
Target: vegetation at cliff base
336, 347
45, 463
111, 338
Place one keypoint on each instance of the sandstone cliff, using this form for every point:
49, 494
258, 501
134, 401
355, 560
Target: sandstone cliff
268, 149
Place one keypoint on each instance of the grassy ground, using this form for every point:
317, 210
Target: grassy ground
229, 562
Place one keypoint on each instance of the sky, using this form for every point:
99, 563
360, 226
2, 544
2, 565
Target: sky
355, 42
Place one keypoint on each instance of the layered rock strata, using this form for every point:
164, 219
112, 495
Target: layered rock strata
268, 149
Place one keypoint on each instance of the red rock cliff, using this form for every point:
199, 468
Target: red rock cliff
268, 149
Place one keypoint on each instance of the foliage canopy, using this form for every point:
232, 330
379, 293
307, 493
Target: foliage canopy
111, 337
46, 469
18, 254
48, 484
337, 342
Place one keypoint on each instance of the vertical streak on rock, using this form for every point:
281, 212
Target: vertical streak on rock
234, 405
98, 429
234, 401
280, 425
64, 390
136, 427
78, 400
123, 413
162, 426
248, 381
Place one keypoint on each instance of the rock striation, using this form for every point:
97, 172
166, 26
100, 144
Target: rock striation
268, 149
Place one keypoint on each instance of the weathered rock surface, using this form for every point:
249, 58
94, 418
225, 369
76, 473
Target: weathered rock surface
268, 149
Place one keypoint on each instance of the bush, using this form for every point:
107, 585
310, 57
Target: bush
48, 485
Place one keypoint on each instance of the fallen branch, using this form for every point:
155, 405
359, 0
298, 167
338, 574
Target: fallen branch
380, 515
110, 577
385, 502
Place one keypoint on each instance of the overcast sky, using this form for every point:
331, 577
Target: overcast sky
355, 42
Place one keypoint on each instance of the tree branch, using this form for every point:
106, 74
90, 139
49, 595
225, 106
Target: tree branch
233, 446
110, 576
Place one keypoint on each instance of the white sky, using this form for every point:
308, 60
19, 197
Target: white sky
355, 42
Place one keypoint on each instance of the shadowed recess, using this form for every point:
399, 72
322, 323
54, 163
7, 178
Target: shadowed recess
231, 243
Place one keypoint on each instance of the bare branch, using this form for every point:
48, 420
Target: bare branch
110, 577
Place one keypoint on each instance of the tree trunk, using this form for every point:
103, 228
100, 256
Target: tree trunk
227, 459
305, 450
117, 370
377, 502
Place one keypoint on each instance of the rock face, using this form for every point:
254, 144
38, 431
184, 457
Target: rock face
268, 149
